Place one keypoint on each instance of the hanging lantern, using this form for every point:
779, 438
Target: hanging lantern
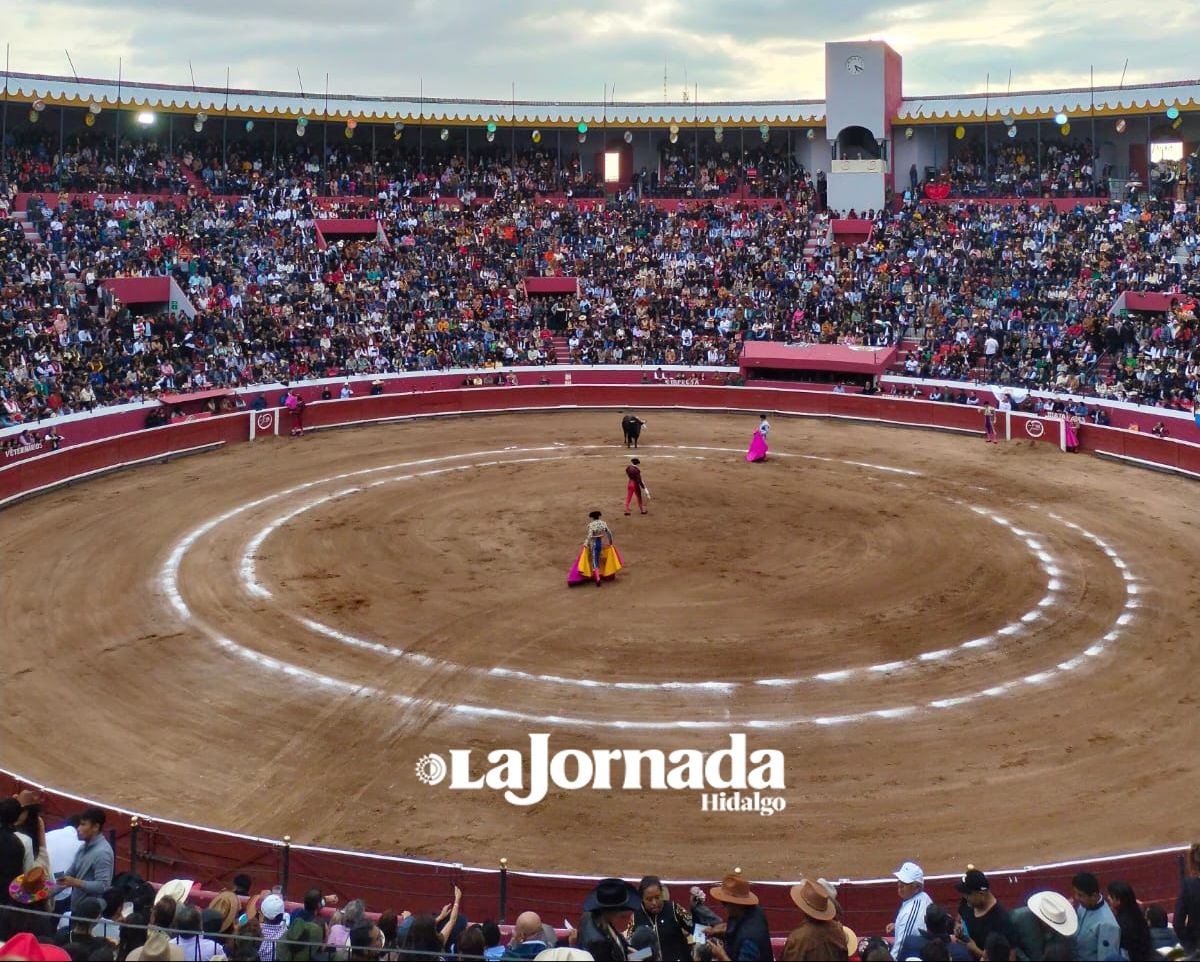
674, 136
1121, 125
33, 116
765, 132
445, 134
1172, 113
908, 133
197, 126
491, 135
536, 136
1176, 123
1012, 131
491, 127
582, 128
674, 128
1009, 119
1060, 118
249, 126
1065, 129
348, 133
93, 108
398, 127
301, 121
629, 136
40, 105
960, 132
582, 138
811, 133
90, 120
201, 117
299, 130
719, 135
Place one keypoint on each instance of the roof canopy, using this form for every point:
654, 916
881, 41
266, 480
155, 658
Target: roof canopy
1025, 105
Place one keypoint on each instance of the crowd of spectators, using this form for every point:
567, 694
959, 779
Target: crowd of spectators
1016, 168
357, 169
61, 898
1018, 297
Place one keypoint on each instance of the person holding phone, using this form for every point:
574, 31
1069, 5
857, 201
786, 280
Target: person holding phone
91, 871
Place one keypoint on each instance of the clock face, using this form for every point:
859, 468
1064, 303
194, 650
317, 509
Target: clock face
855, 65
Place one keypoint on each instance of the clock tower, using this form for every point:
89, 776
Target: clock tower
862, 95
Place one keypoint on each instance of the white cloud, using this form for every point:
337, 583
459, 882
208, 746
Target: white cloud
555, 50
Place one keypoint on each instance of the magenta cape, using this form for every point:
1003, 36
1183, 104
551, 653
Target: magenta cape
1072, 437
758, 448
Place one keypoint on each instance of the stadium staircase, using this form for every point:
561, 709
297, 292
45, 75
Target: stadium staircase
32, 237
561, 349
193, 180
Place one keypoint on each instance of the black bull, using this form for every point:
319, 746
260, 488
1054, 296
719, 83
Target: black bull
632, 428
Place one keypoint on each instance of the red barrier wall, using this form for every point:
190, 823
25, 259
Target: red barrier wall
168, 850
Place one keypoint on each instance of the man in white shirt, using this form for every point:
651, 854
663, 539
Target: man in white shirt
62, 844
910, 919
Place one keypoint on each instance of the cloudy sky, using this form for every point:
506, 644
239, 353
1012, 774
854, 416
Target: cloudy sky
564, 50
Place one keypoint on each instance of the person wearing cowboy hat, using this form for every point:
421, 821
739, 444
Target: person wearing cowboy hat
745, 935
157, 948
818, 938
1044, 922
607, 912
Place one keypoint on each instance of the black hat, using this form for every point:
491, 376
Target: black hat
973, 881
594, 515
612, 894
88, 909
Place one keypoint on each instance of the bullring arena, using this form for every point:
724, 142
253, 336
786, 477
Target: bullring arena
950, 642
302, 419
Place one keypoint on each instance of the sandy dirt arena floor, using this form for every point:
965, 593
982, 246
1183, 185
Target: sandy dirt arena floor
964, 652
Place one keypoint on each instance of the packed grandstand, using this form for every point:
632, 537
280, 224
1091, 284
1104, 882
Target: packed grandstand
1030, 296
1014, 296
